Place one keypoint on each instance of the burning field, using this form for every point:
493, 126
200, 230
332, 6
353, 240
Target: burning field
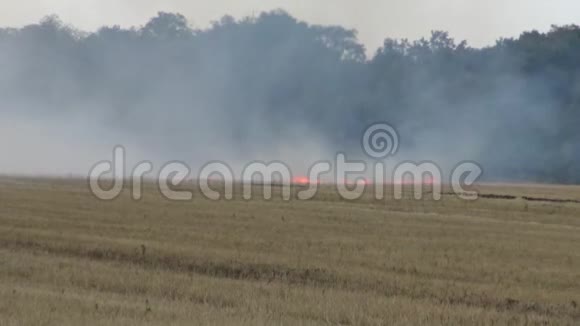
510, 257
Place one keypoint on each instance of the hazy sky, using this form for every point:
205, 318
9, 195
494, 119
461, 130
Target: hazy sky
479, 22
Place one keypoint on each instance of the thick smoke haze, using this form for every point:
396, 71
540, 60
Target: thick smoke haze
271, 87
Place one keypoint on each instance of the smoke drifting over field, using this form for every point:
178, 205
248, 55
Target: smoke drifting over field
274, 88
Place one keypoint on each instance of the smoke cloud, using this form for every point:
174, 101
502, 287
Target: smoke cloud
271, 87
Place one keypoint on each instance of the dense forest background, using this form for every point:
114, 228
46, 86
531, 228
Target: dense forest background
272, 81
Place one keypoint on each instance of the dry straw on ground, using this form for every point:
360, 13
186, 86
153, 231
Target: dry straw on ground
69, 259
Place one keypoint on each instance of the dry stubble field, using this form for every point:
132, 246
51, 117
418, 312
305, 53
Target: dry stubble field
67, 258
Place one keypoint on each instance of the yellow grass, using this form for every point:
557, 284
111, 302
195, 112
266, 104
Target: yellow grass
67, 258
